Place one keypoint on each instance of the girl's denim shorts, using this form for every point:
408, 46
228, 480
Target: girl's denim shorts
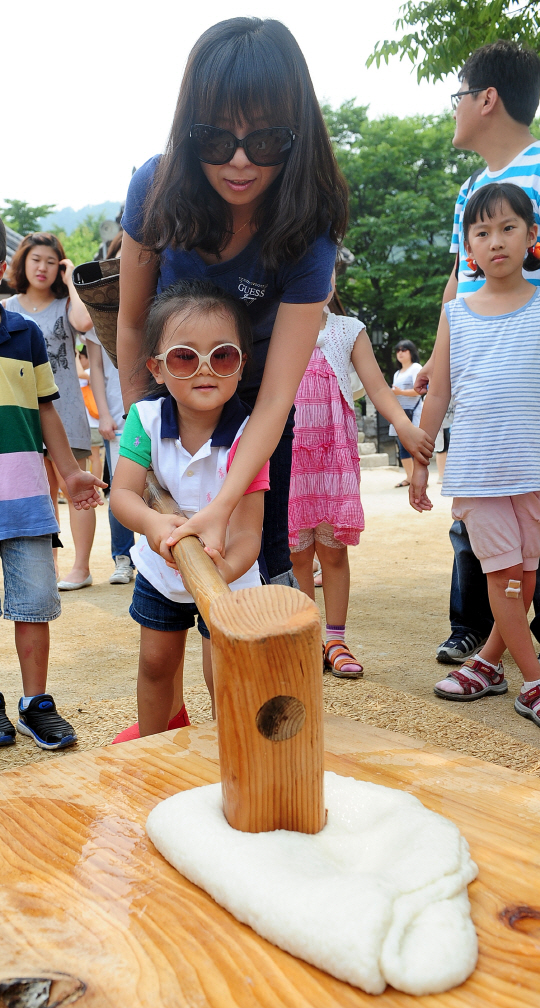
30, 592
151, 609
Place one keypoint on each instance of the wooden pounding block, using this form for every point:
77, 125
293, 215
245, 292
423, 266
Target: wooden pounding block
266, 655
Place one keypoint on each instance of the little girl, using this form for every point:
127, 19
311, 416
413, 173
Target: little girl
197, 343
324, 502
487, 355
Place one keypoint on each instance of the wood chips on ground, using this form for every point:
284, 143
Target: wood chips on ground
97, 723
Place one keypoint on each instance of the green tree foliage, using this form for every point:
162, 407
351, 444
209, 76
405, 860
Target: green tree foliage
403, 176
83, 243
446, 32
23, 218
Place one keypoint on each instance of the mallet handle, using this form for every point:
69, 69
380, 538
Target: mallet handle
199, 573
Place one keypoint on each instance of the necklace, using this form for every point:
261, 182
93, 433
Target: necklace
38, 307
242, 228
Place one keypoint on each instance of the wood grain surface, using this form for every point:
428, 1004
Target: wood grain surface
83, 892
266, 655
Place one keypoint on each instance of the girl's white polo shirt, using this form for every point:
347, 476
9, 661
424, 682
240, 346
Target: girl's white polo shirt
151, 437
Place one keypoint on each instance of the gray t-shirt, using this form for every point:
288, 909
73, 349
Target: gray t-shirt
59, 336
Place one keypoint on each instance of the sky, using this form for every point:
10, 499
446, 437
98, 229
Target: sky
89, 90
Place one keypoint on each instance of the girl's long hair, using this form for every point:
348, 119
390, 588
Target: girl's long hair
16, 276
242, 70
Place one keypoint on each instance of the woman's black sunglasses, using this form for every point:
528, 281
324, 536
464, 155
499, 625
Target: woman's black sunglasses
264, 147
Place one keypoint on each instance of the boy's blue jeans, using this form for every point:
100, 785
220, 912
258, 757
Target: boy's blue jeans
122, 539
469, 602
30, 592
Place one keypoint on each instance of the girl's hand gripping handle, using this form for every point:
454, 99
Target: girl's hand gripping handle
199, 574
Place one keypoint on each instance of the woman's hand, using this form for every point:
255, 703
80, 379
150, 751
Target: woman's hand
82, 489
107, 427
396, 390
418, 498
160, 532
67, 268
416, 441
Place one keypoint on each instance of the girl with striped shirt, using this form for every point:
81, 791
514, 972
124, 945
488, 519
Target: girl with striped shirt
487, 355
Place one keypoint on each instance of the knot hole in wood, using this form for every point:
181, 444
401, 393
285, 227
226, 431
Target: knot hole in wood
280, 718
522, 918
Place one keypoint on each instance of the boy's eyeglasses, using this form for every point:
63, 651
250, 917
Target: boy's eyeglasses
456, 98
264, 147
185, 362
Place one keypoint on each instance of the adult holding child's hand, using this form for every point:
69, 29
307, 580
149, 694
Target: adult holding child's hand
248, 194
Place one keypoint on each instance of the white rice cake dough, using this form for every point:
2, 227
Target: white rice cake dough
378, 896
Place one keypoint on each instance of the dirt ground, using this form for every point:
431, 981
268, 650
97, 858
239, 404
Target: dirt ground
398, 615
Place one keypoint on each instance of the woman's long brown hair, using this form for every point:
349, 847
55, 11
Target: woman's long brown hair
242, 70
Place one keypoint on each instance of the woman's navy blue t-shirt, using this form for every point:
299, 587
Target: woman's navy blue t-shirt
245, 277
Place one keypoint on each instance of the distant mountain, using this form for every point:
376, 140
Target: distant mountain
68, 218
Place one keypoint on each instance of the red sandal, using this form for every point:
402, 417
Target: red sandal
341, 656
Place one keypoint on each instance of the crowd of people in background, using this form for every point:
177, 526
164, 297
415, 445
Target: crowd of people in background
233, 381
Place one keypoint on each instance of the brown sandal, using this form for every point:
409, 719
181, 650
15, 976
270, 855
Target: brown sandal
342, 656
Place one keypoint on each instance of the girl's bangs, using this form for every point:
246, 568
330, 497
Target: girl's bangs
489, 199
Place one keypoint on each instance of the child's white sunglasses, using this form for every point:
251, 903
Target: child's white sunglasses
182, 362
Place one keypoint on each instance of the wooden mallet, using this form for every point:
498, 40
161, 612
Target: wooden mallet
267, 664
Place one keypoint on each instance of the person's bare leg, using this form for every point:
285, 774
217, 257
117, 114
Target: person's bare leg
83, 529
511, 629
32, 643
336, 582
208, 671
408, 464
53, 488
440, 458
178, 687
160, 659
302, 562
96, 462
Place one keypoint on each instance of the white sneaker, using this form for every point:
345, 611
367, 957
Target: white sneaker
124, 571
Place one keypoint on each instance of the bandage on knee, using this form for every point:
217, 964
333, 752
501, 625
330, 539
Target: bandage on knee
513, 589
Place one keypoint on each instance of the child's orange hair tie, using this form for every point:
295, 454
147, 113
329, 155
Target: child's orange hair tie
535, 250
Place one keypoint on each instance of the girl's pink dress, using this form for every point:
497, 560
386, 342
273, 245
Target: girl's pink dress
325, 476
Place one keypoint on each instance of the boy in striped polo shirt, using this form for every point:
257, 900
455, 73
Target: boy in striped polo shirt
27, 521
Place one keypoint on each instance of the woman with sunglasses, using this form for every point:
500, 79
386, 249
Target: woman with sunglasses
247, 194
196, 345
